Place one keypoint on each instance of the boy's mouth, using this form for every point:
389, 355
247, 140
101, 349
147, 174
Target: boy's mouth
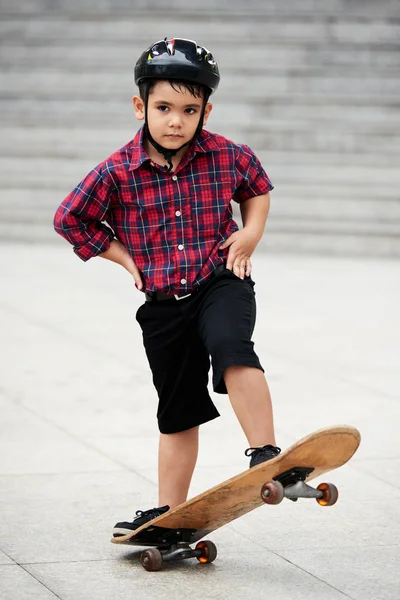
174, 136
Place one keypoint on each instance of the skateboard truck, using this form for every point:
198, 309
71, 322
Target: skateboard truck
154, 558
291, 484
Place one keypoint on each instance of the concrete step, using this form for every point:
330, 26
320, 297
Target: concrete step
291, 137
289, 8
356, 225
332, 244
243, 85
97, 143
31, 219
55, 173
327, 139
277, 239
340, 213
147, 27
31, 224
343, 215
272, 57
274, 241
308, 198
92, 112
291, 189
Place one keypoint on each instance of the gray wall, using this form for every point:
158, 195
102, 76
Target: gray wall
312, 86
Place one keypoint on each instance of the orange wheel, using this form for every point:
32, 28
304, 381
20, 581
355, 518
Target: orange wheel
272, 492
208, 551
330, 494
152, 559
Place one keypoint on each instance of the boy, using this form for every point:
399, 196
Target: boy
166, 199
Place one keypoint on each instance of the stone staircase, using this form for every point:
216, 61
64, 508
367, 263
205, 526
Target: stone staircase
312, 87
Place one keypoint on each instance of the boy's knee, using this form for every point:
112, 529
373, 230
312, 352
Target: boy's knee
228, 347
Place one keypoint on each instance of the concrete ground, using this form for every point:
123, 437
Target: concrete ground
78, 443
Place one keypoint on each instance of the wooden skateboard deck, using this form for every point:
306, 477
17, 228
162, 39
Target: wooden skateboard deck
288, 474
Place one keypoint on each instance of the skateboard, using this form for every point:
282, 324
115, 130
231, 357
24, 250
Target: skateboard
171, 535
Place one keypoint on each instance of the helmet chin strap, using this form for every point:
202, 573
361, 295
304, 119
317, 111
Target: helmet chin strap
166, 152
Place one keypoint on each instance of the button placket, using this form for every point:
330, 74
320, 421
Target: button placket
178, 213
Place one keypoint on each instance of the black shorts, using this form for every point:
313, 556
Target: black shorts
180, 337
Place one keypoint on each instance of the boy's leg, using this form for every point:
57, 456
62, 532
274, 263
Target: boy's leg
176, 462
250, 398
226, 325
180, 365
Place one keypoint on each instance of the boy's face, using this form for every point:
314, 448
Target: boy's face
172, 115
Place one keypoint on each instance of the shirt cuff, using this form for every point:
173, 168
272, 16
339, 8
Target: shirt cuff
98, 244
258, 189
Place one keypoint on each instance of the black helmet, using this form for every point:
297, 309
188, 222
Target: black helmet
178, 58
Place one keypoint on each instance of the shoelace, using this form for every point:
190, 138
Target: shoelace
269, 447
147, 513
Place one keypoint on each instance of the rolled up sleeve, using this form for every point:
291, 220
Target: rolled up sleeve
252, 178
80, 217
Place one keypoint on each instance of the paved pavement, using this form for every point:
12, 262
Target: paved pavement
78, 443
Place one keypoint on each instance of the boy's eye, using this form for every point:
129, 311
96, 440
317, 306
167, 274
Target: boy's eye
163, 108
190, 111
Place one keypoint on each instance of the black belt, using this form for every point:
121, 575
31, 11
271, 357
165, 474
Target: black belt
160, 296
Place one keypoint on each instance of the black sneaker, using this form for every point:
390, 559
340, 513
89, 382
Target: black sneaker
142, 517
260, 455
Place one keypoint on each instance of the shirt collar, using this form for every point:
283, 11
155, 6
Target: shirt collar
139, 154
204, 143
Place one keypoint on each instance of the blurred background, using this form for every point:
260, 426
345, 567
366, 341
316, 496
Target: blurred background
313, 87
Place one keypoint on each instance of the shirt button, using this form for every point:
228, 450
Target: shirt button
183, 281
178, 213
174, 178
180, 247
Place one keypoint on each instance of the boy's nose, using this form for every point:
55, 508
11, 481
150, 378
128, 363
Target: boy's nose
175, 121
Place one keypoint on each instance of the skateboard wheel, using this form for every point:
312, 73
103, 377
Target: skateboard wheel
272, 492
152, 559
208, 551
330, 494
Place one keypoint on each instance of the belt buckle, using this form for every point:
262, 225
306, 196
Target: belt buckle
181, 297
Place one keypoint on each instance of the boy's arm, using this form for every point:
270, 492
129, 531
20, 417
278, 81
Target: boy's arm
242, 243
119, 254
252, 193
254, 213
80, 217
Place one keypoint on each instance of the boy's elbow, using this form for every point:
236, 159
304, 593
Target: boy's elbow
58, 221
62, 221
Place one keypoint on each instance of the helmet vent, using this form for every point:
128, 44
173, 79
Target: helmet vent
204, 55
170, 44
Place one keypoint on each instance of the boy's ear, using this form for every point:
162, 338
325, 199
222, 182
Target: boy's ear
138, 107
207, 111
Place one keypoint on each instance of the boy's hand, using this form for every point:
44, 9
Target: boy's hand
134, 271
241, 245
119, 254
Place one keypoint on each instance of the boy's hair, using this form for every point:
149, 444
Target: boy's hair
196, 90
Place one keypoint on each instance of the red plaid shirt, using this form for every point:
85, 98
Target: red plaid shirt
171, 223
